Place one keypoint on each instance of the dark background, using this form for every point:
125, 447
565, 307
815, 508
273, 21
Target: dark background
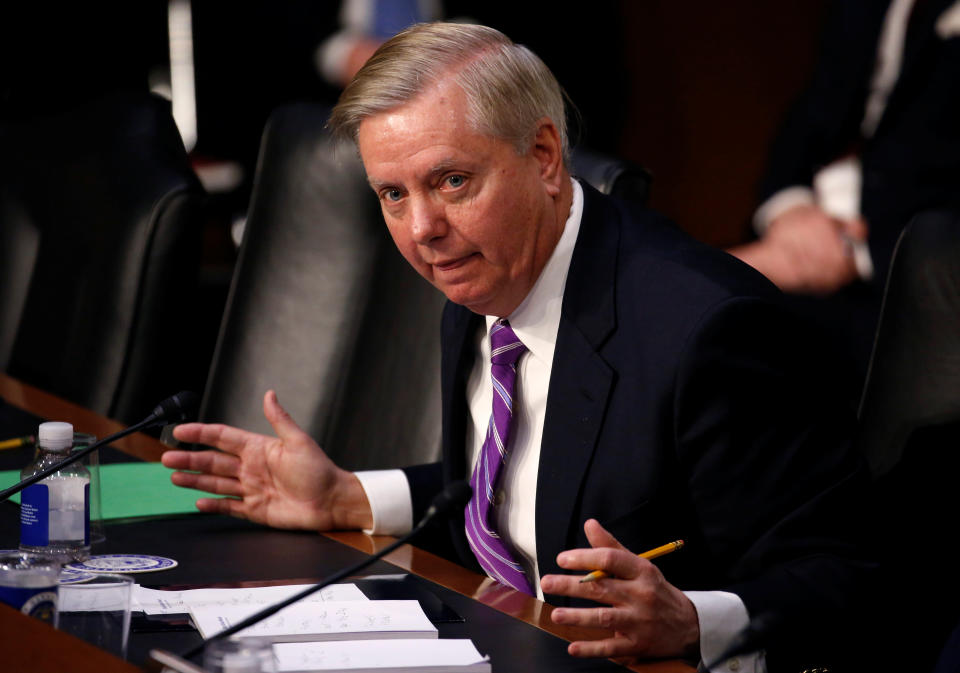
693, 91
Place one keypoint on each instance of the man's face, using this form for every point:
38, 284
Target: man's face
472, 216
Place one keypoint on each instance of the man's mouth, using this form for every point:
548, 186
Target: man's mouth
451, 264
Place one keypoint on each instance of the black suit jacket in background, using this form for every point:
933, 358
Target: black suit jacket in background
683, 403
910, 164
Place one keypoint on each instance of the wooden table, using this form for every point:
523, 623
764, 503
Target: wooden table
194, 541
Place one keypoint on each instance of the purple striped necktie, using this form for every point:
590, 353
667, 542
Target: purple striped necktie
494, 556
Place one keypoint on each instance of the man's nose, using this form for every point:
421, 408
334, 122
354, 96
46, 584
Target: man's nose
428, 221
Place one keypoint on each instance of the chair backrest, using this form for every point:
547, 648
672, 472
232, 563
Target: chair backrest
99, 252
914, 377
910, 434
612, 175
323, 309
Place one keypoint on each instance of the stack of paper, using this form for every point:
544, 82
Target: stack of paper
334, 630
332, 620
381, 656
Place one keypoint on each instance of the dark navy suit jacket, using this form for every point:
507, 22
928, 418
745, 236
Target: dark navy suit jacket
683, 403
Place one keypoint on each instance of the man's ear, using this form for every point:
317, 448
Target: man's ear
548, 151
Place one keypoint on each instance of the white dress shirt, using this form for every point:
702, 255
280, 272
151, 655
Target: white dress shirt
535, 322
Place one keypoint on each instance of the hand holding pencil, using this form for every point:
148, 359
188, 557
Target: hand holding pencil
644, 614
663, 549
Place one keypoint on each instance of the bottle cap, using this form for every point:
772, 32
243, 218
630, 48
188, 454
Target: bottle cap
55, 435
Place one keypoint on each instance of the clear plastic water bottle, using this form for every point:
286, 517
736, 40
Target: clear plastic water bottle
55, 512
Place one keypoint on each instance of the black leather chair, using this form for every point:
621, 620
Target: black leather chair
612, 175
323, 308
99, 253
913, 383
910, 435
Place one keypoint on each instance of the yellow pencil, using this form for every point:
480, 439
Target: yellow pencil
652, 554
15, 442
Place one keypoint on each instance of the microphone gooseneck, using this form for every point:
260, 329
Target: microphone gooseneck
174, 409
455, 495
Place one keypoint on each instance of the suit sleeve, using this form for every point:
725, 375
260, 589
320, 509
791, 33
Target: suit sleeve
774, 483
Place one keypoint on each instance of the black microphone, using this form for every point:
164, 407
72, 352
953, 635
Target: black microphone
174, 409
754, 637
454, 496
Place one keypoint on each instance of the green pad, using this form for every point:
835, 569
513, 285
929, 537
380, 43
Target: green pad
133, 489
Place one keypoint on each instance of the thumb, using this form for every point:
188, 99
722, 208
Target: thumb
598, 536
279, 419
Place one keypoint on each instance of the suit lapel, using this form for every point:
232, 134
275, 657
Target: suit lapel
580, 381
459, 326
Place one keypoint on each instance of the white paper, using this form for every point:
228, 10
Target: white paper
340, 620
380, 655
159, 602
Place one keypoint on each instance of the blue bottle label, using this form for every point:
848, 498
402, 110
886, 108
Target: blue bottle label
39, 602
35, 516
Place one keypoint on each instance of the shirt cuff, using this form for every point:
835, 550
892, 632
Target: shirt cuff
722, 616
780, 203
389, 495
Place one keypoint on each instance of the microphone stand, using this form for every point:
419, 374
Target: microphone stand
455, 494
175, 408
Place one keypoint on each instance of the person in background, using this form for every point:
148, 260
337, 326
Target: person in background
873, 141
608, 383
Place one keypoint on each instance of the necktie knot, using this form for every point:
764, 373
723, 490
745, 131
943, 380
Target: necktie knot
505, 347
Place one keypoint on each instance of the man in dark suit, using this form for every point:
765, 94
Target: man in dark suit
649, 396
871, 142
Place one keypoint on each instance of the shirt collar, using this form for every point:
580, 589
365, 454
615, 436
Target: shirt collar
536, 320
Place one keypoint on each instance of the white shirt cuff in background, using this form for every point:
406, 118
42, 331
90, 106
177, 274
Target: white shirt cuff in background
722, 616
389, 495
780, 203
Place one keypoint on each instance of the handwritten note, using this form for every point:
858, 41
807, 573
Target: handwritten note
332, 620
437, 656
159, 602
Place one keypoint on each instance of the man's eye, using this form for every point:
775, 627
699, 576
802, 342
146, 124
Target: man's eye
456, 180
392, 195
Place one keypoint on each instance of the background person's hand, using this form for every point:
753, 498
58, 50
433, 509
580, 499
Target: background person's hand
806, 251
285, 481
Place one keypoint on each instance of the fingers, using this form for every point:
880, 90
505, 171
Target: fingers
608, 647
614, 561
608, 590
598, 536
210, 462
280, 420
208, 483
855, 229
211, 471
223, 437
228, 506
